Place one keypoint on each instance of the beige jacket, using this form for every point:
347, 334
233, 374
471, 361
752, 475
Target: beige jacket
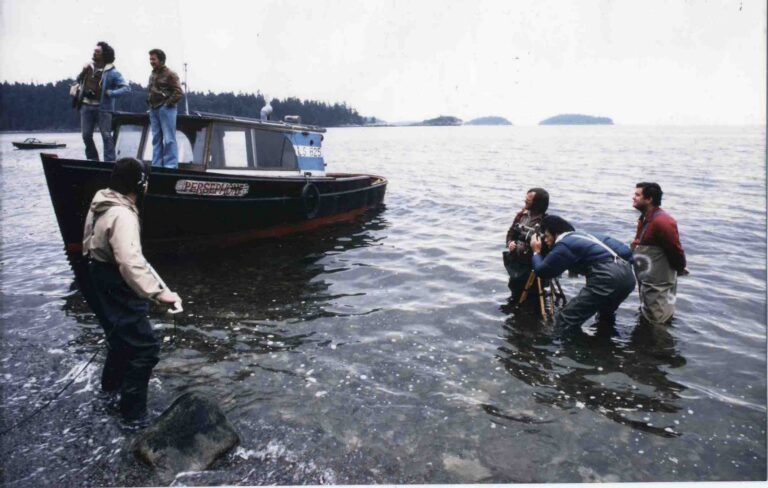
114, 238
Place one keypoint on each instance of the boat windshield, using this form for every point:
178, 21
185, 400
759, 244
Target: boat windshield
239, 147
190, 143
190, 146
128, 141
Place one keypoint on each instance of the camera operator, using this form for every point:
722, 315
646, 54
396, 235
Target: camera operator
517, 258
604, 261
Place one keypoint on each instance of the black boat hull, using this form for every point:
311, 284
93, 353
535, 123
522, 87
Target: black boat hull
186, 208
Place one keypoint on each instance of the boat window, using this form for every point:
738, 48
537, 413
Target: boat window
274, 151
186, 152
128, 141
231, 147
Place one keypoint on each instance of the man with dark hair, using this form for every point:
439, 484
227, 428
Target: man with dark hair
603, 260
659, 256
123, 283
99, 83
164, 93
517, 258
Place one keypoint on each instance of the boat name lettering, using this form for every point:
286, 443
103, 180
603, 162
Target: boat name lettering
211, 188
308, 151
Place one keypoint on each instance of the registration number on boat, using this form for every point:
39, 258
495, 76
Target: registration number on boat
211, 188
308, 151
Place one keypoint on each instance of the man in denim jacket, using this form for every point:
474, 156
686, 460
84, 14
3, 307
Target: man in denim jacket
99, 84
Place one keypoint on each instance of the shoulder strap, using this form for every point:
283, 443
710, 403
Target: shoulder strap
647, 223
93, 231
589, 237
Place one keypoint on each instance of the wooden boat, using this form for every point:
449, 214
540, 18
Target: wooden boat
238, 179
32, 143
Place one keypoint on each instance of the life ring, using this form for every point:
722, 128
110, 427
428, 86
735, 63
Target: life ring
310, 197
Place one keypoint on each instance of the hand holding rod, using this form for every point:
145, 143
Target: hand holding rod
176, 305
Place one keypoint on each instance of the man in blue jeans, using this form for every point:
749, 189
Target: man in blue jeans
164, 93
99, 84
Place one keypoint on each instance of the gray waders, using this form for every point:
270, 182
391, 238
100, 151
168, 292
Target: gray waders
657, 284
608, 284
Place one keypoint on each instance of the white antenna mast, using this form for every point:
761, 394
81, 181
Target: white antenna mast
186, 91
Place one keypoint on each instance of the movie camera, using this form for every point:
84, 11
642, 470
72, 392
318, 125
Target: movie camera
526, 232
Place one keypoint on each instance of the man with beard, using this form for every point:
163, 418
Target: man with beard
659, 256
517, 258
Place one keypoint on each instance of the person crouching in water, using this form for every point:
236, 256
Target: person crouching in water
605, 262
123, 284
517, 258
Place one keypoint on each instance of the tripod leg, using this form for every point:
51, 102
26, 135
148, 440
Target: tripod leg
528, 285
541, 299
552, 299
560, 292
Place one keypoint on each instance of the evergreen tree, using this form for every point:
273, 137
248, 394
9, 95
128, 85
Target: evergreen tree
48, 106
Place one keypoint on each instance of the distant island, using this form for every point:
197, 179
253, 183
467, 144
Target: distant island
491, 120
441, 120
576, 119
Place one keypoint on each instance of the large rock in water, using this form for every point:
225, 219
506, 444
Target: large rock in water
188, 436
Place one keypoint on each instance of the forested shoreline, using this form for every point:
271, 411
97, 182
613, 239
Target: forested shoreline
48, 107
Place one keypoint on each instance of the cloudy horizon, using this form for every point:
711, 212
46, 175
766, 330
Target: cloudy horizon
663, 63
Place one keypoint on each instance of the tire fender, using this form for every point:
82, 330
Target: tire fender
310, 198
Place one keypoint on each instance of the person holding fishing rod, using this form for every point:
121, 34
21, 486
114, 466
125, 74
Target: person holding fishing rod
124, 283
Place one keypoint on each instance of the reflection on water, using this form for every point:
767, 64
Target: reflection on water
620, 378
246, 298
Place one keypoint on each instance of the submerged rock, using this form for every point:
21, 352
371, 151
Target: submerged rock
188, 436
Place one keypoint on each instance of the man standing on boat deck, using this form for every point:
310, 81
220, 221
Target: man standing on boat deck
603, 260
99, 83
659, 256
164, 93
123, 284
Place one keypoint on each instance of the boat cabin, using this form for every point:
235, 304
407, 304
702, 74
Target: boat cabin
229, 145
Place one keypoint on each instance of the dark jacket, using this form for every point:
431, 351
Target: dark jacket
164, 88
523, 248
657, 228
576, 253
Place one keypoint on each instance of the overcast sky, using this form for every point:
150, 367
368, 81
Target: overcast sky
636, 61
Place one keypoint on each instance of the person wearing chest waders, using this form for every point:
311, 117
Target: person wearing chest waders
659, 256
517, 257
603, 260
124, 284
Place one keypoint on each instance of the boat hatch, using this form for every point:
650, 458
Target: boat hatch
220, 146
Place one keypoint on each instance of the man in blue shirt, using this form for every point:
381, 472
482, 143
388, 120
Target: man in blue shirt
603, 260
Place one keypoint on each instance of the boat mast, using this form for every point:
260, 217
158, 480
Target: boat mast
186, 91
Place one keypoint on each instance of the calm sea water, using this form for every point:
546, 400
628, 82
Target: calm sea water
384, 350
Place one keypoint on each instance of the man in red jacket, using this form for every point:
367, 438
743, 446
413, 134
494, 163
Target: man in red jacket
659, 257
